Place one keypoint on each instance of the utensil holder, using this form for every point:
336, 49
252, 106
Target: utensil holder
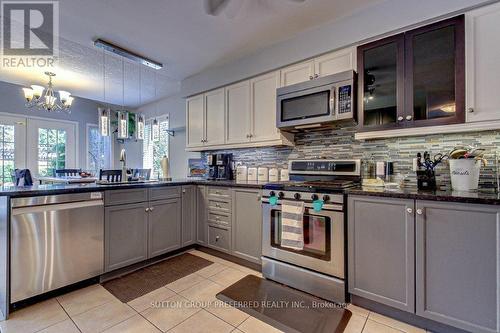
426, 180
465, 174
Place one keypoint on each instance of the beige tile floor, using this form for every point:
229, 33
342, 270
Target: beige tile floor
186, 305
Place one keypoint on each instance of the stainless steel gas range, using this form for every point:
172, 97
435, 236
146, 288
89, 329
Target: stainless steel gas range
319, 267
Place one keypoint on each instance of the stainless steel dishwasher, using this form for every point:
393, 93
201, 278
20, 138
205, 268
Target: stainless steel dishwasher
55, 241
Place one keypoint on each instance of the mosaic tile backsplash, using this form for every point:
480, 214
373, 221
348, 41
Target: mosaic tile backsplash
340, 144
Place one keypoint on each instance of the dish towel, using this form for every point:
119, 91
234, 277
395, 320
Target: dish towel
292, 224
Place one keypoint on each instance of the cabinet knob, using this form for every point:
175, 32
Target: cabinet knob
470, 110
409, 118
147, 210
420, 211
400, 118
311, 77
151, 209
183, 190
409, 210
316, 76
217, 238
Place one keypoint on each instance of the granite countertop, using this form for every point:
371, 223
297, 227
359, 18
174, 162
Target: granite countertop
489, 197
50, 189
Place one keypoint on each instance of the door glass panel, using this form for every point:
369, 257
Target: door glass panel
51, 150
380, 83
307, 106
6, 153
434, 74
317, 236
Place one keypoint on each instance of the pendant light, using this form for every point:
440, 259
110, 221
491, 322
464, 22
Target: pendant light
122, 114
140, 121
104, 114
155, 127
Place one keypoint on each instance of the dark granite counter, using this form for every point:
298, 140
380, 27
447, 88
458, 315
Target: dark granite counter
488, 197
51, 189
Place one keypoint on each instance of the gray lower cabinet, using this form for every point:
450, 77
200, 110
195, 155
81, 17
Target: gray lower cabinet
458, 264
164, 221
247, 224
126, 235
189, 213
381, 250
201, 218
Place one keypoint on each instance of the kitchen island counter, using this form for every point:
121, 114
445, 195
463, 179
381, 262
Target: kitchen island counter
52, 189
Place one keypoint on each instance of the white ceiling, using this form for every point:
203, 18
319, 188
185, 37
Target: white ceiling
177, 33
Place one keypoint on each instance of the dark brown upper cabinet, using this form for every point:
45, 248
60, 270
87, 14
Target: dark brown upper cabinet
413, 79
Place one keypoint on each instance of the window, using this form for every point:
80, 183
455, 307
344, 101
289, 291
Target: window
51, 145
153, 152
7, 153
51, 150
98, 149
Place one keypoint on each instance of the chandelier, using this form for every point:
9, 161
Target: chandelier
45, 98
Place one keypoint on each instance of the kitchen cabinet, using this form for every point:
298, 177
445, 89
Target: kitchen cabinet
483, 72
263, 108
297, 73
201, 215
195, 121
335, 62
238, 112
214, 117
189, 202
413, 79
381, 250
247, 224
164, 221
125, 235
458, 264
330, 63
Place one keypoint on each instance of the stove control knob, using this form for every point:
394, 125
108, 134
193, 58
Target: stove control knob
314, 197
281, 195
326, 198
297, 196
272, 194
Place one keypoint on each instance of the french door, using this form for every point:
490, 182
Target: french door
50, 145
12, 146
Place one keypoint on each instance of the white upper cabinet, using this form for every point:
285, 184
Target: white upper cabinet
214, 117
335, 62
195, 121
482, 71
331, 63
297, 73
238, 112
263, 106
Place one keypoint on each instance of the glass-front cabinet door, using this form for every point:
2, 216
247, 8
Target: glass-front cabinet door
435, 80
414, 78
380, 70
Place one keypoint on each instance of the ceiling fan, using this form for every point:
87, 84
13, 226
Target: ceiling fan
215, 7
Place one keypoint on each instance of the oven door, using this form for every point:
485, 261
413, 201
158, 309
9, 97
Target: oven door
305, 107
323, 240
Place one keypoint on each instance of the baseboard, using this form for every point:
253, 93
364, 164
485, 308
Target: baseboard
403, 316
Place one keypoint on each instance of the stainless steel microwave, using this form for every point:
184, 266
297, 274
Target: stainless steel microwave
317, 103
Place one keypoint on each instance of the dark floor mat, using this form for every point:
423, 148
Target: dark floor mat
285, 308
145, 280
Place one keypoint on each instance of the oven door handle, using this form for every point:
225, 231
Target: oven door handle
307, 205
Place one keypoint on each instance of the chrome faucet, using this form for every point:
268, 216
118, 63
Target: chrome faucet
123, 160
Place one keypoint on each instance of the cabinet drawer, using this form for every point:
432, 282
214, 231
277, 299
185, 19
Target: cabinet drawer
118, 197
219, 218
215, 192
162, 193
217, 205
219, 238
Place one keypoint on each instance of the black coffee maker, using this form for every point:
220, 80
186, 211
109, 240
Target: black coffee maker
220, 166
